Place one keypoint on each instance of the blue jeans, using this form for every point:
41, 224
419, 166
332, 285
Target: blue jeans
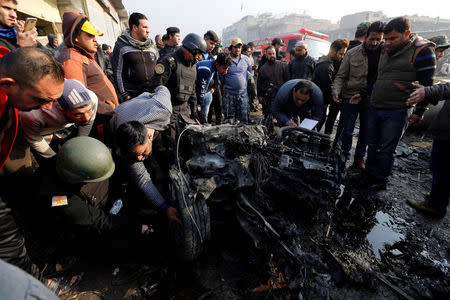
236, 107
440, 168
351, 112
205, 105
384, 131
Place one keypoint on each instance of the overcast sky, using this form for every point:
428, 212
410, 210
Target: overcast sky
199, 16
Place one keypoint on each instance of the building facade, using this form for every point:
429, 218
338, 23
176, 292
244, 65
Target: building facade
109, 16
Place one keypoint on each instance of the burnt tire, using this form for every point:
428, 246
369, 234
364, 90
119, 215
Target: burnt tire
189, 239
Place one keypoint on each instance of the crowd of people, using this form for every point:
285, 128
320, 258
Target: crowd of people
82, 124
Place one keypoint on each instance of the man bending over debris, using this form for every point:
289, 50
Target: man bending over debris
77, 106
297, 98
135, 124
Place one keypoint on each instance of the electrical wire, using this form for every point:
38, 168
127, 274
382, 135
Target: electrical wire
181, 186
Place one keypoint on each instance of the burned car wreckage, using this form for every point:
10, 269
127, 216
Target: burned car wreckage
267, 184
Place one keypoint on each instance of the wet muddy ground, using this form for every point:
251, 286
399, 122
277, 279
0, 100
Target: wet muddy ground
360, 246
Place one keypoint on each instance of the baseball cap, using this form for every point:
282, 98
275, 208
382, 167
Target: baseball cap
236, 41
75, 95
362, 28
89, 28
172, 30
440, 41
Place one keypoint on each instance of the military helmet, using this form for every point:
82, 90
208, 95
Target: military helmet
84, 159
193, 41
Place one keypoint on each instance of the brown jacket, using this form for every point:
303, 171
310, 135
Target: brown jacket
80, 65
352, 75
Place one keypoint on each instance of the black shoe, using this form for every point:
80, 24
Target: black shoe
376, 186
370, 183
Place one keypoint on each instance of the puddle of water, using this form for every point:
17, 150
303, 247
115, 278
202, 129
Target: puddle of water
383, 233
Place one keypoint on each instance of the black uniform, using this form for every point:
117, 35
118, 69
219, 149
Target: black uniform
84, 209
179, 76
167, 50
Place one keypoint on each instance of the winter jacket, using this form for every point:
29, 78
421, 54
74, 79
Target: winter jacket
206, 78
353, 44
396, 72
284, 108
9, 42
167, 50
271, 77
302, 68
80, 65
440, 126
352, 75
134, 64
324, 75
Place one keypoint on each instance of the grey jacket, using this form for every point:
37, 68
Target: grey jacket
440, 127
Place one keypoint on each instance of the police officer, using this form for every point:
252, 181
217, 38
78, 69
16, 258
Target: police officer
177, 71
172, 41
81, 189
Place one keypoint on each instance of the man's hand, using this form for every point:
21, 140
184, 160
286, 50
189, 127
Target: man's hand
414, 118
291, 123
336, 98
355, 99
211, 91
416, 96
172, 214
28, 38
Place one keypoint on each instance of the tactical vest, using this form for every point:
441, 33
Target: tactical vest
395, 75
185, 87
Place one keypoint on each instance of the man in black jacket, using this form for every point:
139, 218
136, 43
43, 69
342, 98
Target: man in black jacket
302, 65
172, 41
326, 69
134, 58
271, 77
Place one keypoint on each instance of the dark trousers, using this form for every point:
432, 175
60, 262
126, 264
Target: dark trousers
350, 114
216, 107
329, 120
384, 132
440, 169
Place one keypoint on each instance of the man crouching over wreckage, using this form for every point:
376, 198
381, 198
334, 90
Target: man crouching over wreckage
136, 124
297, 98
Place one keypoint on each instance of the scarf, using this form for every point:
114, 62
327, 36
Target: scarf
135, 43
9, 33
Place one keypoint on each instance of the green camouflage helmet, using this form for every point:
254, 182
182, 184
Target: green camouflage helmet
84, 159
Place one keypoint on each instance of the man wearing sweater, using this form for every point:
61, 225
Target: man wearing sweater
235, 97
76, 107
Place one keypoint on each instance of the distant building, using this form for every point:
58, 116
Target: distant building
263, 27
422, 25
351, 21
109, 16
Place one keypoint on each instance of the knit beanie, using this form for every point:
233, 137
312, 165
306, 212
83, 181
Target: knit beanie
75, 95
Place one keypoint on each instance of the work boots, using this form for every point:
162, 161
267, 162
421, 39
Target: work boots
425, 207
